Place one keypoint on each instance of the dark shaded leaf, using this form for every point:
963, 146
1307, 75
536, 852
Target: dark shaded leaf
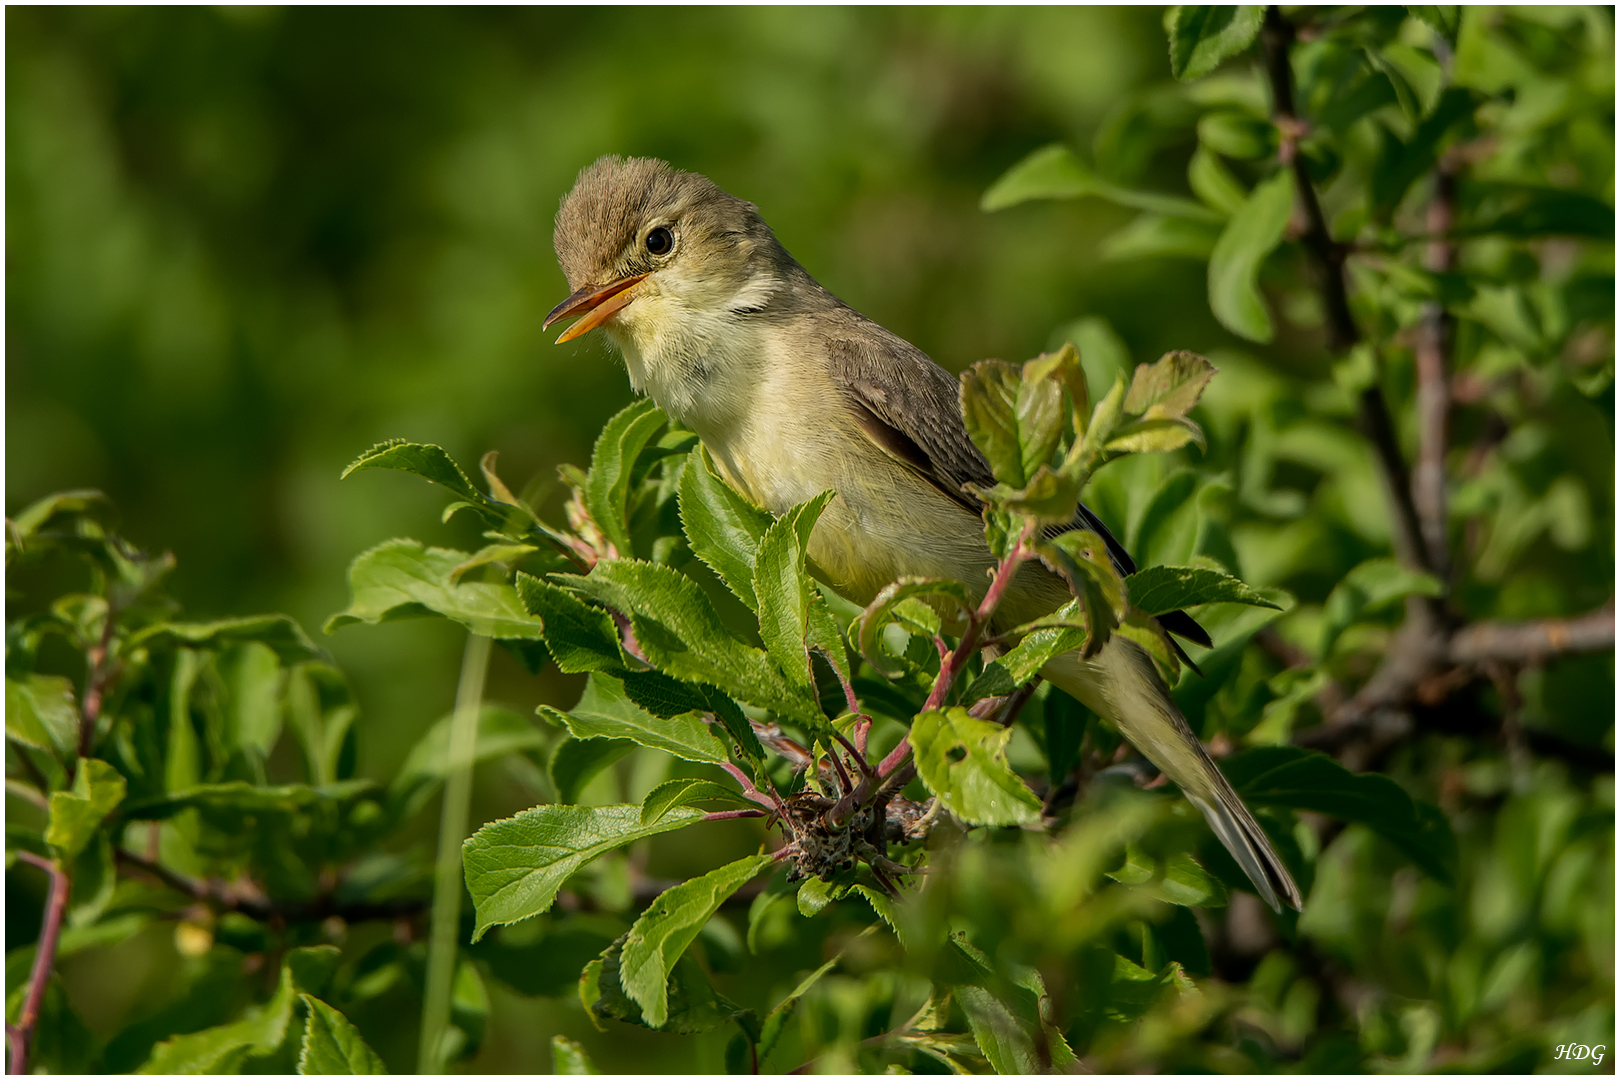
1308, 780
1201, 36
613, 463
1159, 589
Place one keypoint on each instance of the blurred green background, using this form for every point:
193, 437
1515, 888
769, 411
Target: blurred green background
244, 244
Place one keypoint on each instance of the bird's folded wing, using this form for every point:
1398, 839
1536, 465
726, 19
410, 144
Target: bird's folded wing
909, 406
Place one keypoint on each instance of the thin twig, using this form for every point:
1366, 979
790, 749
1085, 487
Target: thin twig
727, 815
247, 899
95, 688
1535, 641
19, 1036
1433, 396
1276, 38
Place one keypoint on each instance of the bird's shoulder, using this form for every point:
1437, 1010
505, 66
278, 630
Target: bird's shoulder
905, 402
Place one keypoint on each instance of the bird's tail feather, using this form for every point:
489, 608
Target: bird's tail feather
1121, 684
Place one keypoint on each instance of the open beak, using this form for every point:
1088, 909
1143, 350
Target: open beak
597, 303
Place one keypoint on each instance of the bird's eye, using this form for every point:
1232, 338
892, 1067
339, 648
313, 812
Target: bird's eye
660, 241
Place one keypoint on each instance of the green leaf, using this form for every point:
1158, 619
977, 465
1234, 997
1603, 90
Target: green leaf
41, 712
1368, 588
1169, 387
605, 712
280, 632
885, 608
685, 791
771, 1029
1154, 236
516, 865
1401, 164
1237, 134
682, 635
1066, 721
1177, 880
963, 761
98, 788
723, 528
1054, 172
815, 894
401, 579
1009, 1017
1081, 558
581, 638
424, 459
1234, 268
1443, 19
1527, 211
786, 593
500, 732
253, 706
1308, 780
1214, 183
613, 463
491, 554
1172, 521
80, 503
1024, 661
1015, 422
693, 1005
576, 762
434, 465
1134, 990
1155, 436
1160, 589
260, 1032
238, 796
332, 1045
1202, 36
659, 938
568, 1058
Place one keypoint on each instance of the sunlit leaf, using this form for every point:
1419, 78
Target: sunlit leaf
402, 579
963, 761
723, 528
516, 865
98, 788
605, 712
685, 791
668, 926
333, 1046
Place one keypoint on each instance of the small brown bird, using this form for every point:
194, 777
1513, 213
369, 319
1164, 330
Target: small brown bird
794, 393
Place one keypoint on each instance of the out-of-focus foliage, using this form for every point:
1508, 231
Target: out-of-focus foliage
243, 243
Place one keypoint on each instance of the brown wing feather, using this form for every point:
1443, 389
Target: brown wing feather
908, 405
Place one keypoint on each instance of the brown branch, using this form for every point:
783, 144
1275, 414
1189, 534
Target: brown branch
247, 899
1378, 714
1535, 641
1276, 38
1433, 397
95, 688
19, 1035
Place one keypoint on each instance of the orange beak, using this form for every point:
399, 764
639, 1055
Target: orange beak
597, 303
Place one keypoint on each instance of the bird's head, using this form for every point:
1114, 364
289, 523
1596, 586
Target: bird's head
642, 244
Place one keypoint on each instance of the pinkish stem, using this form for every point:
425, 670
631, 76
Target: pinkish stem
18, 1036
